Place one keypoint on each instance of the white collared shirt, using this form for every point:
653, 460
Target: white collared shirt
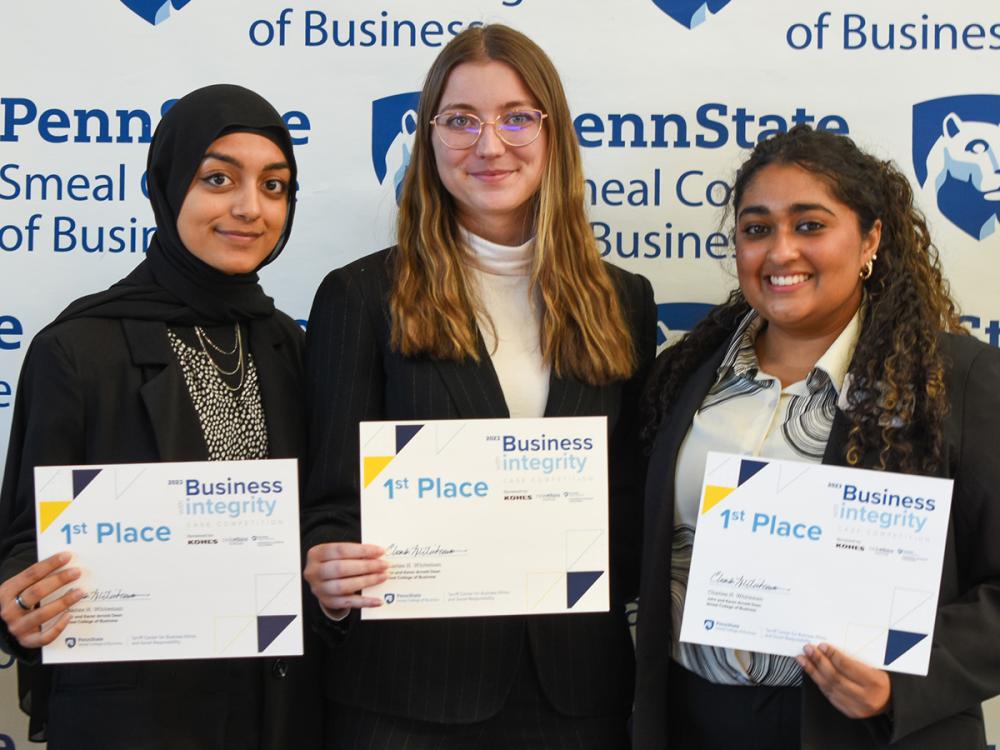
747, 411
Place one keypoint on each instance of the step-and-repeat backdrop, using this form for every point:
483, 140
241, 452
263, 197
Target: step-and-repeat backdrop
667, 96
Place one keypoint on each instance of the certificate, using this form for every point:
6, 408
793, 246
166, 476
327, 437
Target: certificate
178, 560
789, 553
487, 516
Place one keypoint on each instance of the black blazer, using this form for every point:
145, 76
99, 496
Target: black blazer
110, 391
939, 711
459, 670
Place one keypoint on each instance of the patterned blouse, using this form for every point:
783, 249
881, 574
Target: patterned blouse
232, 420
747, 411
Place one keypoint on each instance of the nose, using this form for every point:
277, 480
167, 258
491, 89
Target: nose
784, 245
489, 144
246, 203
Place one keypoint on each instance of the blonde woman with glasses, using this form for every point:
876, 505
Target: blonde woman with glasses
494, 303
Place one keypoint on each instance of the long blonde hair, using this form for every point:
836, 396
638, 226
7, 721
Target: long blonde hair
584, 333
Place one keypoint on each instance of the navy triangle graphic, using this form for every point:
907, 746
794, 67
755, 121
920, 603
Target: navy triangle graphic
578, 584
270, 627
405, 433
81, 478
898, 643
748, 469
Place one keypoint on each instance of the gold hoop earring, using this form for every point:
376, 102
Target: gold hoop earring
866, 271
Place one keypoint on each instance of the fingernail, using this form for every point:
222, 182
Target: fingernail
375, 602
808, 649
825, 648
64, 557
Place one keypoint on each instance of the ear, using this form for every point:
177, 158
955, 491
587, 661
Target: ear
951, 126
871, 241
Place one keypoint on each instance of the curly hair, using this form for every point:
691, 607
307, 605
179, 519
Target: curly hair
897, 402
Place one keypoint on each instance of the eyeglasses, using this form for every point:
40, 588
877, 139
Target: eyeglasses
461, 129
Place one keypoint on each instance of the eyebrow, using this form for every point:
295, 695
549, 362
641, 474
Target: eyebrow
505, 105
239, 165
795, 208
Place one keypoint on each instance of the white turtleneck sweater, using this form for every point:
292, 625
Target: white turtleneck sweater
510, 317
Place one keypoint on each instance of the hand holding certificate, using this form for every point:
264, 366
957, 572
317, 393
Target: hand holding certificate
177, 560
788, 553
488, 516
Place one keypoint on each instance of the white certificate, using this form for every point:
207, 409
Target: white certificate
487, 516
179, 560
789, 553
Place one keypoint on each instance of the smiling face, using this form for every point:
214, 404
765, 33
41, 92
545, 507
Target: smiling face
234, 212
799, 252
492, 183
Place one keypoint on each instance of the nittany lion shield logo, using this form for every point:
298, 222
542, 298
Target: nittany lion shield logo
394, 124
390, 598
709, 624
956, 157
691, 13
154, 11
70, 642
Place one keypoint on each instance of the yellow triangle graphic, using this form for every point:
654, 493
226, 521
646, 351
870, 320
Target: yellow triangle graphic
50, 510
714, 495
374, 466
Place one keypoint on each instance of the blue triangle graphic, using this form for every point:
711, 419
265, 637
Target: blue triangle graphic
270, 627
898, 643
81, 478
748, 469
404, 434
578, 584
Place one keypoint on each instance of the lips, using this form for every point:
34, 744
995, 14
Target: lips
788, 279
491, 175
239, 237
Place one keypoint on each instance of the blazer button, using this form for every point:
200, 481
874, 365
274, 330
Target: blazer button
279, 669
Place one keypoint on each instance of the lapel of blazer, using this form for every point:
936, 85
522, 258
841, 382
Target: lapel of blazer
280, 388
834, 453
663, 458
569, 397
163, 392
474, 386
476, 391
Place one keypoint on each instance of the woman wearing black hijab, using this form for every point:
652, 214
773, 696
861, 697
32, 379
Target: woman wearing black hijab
184, 359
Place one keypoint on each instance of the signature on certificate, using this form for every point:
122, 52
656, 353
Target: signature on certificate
742, 582
423, 550
104, 595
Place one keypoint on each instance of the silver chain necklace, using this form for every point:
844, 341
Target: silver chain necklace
237, 349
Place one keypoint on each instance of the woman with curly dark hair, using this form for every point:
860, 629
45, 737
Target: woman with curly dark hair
841, 345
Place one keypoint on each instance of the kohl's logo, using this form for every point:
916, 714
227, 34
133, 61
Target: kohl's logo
691, 13
394, 125
154, 11
956, 157
676, 318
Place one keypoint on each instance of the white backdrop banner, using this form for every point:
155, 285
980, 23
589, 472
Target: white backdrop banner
667, 95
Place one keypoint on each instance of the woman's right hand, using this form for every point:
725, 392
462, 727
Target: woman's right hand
20, 595
337, 571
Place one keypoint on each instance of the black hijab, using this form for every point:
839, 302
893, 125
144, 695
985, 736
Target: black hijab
171, 284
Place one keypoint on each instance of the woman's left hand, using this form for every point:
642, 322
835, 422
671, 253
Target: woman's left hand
857, 690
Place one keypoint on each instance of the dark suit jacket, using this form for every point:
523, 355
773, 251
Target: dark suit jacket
110, 391
939, 711
459, 670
